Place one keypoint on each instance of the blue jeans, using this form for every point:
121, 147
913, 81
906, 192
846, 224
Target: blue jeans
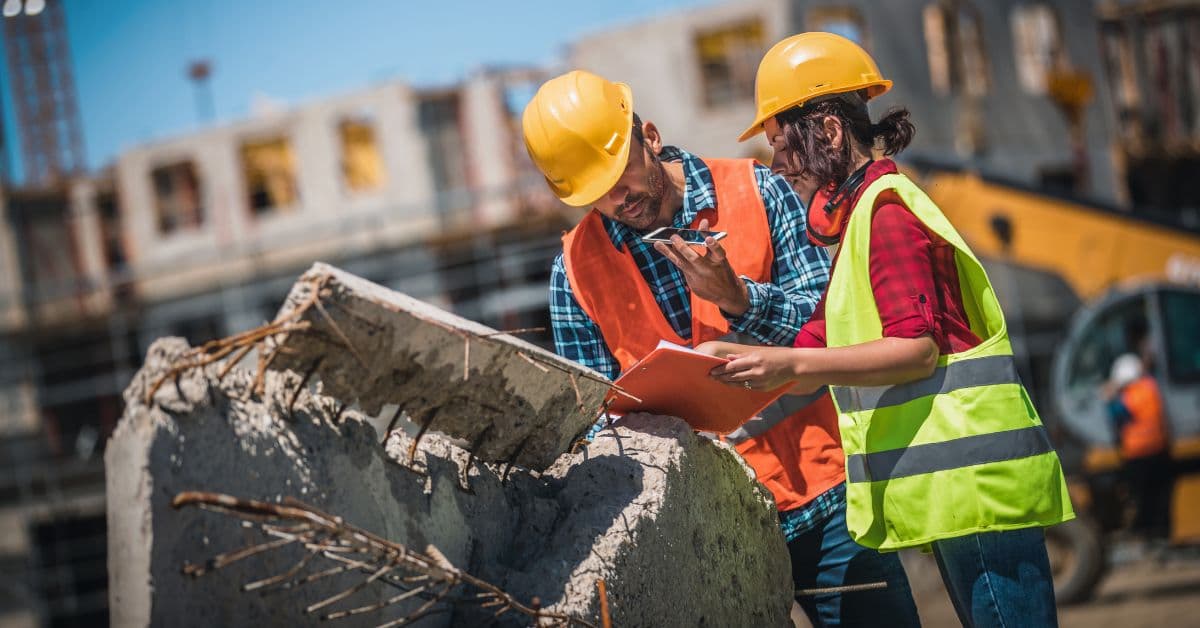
999, 579
826, 556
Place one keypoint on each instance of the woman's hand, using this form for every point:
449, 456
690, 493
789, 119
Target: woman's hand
761, 368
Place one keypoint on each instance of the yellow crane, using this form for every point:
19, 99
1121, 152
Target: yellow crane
1075, 274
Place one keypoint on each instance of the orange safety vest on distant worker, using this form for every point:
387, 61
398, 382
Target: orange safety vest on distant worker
797, 454
1145, 434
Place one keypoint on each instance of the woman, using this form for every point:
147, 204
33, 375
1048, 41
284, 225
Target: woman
944, 448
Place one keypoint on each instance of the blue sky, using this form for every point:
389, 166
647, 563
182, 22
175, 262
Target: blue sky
130, 56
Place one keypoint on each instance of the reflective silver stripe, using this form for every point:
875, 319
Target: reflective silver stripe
779, 410
986, 371
951, 454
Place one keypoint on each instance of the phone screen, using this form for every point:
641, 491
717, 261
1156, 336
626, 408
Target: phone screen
691, 236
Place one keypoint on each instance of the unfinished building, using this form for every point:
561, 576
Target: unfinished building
203, 234
992, 86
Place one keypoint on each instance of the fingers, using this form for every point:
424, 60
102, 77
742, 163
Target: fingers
669, 253
683, 250
679, 253
716, 252
737, 369
742, 363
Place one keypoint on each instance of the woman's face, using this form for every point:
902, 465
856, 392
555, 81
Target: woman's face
782, 159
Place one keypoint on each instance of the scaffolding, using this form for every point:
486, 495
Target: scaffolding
43, 88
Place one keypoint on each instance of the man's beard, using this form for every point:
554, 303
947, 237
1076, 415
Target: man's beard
650, 201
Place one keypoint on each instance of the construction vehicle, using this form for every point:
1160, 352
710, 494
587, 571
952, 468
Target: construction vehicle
1071, 274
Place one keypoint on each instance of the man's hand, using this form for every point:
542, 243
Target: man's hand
710, 276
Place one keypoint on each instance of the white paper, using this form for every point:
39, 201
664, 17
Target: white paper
667, 344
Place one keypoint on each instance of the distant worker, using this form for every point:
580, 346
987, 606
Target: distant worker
1135, 406
944, 447
614, 296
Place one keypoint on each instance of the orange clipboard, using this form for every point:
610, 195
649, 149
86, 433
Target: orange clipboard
673, 380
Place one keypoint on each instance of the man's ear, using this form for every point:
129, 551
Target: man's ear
653, 139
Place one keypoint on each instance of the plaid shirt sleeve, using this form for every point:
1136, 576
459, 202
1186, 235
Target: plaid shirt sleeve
576, 336
798, 277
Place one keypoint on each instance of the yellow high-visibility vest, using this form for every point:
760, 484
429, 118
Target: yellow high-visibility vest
959, 452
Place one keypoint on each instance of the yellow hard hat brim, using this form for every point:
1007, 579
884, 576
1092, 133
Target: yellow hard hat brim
602, 182
876, 88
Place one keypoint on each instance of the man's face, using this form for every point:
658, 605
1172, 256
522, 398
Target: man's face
639, 197
781, 161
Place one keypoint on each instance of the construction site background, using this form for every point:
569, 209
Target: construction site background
429, 192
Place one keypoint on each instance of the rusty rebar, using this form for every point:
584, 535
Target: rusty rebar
849, 588
300, 387
327, 537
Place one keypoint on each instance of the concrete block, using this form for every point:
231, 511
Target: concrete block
673, 522
515, 402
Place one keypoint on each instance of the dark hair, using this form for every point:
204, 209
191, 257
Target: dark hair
637, 129
810, 154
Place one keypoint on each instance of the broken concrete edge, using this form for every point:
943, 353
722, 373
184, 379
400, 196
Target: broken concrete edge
508, 400
321, 273
127, 481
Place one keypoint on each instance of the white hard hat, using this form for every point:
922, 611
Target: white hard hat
1126, 369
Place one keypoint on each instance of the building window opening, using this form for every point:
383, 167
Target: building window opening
729, 59
52, 268
1038, 45
958, 62
438, 118
362, 163
269, 169
844, 21
177, 199
115, 259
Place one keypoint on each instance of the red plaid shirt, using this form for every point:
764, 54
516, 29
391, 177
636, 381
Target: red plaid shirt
913, 276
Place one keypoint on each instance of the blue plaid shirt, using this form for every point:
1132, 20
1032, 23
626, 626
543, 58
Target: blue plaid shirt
814, 514
777, 309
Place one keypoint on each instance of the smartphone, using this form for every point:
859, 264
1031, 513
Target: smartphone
691, 236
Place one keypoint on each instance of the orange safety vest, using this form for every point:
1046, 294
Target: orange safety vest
1146, 432
797, 458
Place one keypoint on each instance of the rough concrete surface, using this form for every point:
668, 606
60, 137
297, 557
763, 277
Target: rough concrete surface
519, 403
673, 522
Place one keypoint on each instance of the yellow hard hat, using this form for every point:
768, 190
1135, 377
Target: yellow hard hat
577, 131
807, 66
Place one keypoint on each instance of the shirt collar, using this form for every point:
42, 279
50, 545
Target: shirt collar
698, 193
876, 169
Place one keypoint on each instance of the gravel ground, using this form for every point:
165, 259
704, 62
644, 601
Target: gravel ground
1162, 594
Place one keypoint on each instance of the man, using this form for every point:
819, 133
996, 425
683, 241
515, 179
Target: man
613, 297
1135, 407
